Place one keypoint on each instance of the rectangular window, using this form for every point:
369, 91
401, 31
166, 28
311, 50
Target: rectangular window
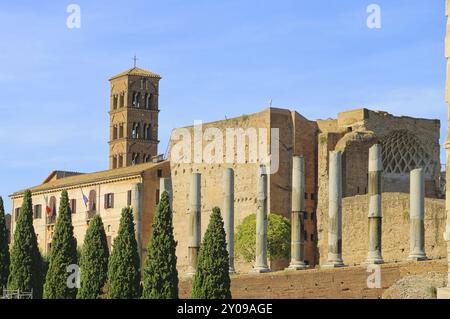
37, 212
159, 173
157, 196
305, 235
129, 198
313, 197
73, 206
306, 195
109, 200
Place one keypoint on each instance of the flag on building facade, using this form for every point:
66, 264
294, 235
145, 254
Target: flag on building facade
85, 199
48, 210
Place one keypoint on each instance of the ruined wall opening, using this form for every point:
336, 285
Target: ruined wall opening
403, 152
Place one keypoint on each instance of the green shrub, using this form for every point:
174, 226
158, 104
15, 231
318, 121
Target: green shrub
212, 279
93, 260
62, 254
26, 261
124, 263
160, 275
4, 249
278, 238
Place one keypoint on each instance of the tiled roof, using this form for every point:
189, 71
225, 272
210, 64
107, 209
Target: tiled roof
137, 71
91, 177
59, 175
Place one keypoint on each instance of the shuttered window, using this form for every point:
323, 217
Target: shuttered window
73, 206
109, 200
37, 212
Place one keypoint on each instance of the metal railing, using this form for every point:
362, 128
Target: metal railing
50, 220
17, 294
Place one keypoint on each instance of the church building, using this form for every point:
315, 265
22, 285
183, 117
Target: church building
135, 170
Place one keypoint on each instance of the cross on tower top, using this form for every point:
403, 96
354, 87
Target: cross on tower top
135, 60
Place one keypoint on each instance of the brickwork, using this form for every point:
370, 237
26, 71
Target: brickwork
345, 283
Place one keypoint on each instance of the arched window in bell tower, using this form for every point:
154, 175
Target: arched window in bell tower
115, 98
135, 99
122, 100
120, 161
121, 130
115, 132
114, 161
148, 132
152, 104
147, 100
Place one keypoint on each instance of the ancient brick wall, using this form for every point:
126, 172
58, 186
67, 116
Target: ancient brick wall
345, 283
212, 186
395, 236
279, 183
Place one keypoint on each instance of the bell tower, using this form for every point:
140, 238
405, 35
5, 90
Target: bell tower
133, 117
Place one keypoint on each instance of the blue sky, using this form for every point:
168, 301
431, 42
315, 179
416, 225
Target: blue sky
217, 58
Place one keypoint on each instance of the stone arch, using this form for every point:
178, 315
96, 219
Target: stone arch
403, 152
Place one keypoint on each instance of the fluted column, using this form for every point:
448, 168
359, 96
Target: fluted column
375, 215
335, 211
194, 222
228, 207
261, 223
297, 214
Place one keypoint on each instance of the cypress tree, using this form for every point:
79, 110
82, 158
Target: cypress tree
62, 254
25, 272
124, 262
160, 276
212, 279
93, 260
4, 249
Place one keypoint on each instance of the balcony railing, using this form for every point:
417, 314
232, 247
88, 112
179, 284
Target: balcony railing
51, 220
90, 214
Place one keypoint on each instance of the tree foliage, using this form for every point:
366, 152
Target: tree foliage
160, 275
124, 263
212, 279
62, 254
278, 238
4, 249
93, 260
26, 261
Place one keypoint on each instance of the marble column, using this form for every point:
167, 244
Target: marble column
136, 204
375, 216
194, 222
297, 214
335, 211
228, 207
417, 215
261, 222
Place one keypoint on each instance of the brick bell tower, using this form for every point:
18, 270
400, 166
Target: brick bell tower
133, 117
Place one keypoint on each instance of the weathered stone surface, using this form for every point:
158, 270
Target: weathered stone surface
423, 286
340, 283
